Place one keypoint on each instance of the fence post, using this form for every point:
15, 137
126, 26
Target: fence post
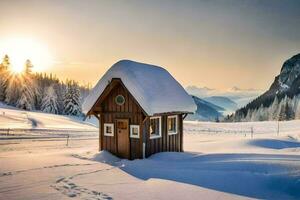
68, 139
8, 132
252, 132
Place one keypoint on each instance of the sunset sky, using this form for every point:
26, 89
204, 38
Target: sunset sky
217, 44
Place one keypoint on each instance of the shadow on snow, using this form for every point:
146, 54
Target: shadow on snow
274, 144
252, 175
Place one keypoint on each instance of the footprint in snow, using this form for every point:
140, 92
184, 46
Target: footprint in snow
70, 189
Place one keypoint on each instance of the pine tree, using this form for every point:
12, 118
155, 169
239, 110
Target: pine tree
248, 116
28, 67
290, 113
27, 97
262, 114
49, 102
24, 101
12, 91
273, 109
28, 89
4, 77
297, 108
5, 62
72, 104
38, 95
254, 116
61, 92
283, 109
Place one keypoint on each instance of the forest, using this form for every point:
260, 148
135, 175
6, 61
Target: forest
40, 91
280, 109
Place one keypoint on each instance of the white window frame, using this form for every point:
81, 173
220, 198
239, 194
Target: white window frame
131, 128
176, 126
159, 134
112, 129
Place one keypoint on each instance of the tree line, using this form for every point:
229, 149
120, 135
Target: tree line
40, 91
280, 109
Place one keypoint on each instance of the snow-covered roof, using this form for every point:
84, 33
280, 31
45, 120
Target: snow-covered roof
153, 87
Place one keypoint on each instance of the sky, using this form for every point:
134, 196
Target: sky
206, 43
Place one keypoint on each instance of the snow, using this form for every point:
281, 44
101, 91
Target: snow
25, 123
258, 128
221, 161
153, 88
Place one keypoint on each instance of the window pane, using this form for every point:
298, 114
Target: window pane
172, 124
108, 129
154, 126
135, 131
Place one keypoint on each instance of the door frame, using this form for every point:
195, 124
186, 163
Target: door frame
117, 136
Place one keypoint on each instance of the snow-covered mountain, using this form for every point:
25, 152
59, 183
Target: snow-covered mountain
206, 111
287, 83
230, 99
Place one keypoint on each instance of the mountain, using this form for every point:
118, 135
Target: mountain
224, 102
240, 96
200, 91
287, 83
206, 111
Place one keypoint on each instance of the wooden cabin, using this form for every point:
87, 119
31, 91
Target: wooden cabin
140, 109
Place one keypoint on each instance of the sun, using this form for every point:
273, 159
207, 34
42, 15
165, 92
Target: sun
21, 49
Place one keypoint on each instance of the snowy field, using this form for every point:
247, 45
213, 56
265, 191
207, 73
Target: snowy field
19, 123
221, 161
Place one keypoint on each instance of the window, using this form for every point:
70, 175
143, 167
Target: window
120, 100
108, 129
134, 131
172, 125
155, 127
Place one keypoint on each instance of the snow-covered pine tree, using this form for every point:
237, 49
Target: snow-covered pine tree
4, 77
61, 92
12, 92
72, 104
262, 114
290, 113
283, 109
254, 116
297, 107
248, 116
28, 89
273, 109
38, 95
24, 101
49, 102
27, 96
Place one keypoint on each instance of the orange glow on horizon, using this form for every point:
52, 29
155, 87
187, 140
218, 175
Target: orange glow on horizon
20, 49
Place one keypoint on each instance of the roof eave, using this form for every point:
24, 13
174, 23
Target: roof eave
173, 113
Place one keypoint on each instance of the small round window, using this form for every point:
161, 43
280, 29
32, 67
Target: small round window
120, 100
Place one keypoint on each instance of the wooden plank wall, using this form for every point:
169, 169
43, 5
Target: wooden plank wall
166, 142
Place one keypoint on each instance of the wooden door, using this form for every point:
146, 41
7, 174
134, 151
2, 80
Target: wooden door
123, 138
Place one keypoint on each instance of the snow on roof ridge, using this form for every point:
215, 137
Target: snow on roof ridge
152, 86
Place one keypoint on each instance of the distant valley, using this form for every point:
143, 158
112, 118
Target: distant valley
214, 104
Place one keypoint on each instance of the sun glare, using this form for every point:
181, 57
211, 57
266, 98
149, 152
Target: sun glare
21, 49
